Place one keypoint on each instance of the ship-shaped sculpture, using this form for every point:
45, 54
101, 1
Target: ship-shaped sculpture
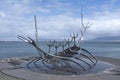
71, 55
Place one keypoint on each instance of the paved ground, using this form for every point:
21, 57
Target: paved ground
113, 74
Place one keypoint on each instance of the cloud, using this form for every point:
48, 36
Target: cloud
56, 19
57, 26
105, 24
60, 26
2, 14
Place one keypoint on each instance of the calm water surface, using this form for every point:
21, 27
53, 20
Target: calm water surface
21, 49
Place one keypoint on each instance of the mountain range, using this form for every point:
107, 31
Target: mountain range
111, 38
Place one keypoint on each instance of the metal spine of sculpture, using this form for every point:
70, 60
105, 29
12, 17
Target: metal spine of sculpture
70, 54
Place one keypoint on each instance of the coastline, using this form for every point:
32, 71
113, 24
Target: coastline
113, 74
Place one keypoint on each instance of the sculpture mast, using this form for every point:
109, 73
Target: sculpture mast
81, 29
36, 30
36, 35
81, 18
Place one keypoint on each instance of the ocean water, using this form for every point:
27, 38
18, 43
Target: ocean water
12, 49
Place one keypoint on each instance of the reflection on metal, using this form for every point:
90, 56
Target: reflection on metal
71, 54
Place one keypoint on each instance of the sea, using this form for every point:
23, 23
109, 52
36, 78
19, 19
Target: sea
13, 49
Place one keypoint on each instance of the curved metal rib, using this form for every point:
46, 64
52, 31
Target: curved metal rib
74, 70
77, 64
89, 58
45, 64
74, 52
36, 64
83, 61
30, 62
90, 54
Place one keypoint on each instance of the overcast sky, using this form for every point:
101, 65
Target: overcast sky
56, 19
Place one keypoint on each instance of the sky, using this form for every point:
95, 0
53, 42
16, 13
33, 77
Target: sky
57, 19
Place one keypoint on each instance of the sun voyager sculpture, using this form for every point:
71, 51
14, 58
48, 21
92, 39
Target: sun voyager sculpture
72, 58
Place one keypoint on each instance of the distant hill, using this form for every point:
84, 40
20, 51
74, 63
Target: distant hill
111, 38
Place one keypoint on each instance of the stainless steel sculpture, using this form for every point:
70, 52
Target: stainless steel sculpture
70, 55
